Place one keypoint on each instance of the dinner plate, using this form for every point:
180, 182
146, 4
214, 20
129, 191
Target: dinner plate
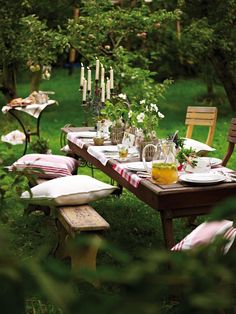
86, 134
138, 166
202, 178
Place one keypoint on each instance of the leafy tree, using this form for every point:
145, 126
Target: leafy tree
23, 37
209, 36
119, 36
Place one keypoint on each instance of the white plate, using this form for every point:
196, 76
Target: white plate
202, 178
86, 134
137, 166
109, 149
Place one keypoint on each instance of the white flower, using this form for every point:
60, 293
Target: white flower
160, 115
154, 107
147, 109
122, 96
142, 102
130, 113
122, 75
140, 117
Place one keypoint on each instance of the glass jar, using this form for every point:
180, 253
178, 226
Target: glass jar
164, 166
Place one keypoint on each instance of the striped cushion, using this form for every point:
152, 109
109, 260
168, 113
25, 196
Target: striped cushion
206, 233
52, 166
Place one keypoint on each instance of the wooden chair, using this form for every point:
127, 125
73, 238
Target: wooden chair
232, 140
201, 116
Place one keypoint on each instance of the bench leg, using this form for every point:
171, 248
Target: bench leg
83, 256
61, 248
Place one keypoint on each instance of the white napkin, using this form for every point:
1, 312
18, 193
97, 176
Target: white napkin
14, 137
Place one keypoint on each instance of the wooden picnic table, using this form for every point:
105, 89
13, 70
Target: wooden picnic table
171, 201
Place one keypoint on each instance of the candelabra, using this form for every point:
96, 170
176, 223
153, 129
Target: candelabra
93, 99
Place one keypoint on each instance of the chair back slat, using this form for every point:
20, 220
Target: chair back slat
199, 121
201, 116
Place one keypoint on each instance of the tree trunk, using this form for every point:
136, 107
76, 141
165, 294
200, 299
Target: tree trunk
35, 81
226, 74
210, 86
9, 81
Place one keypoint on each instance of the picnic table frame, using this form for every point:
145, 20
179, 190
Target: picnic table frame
171, 201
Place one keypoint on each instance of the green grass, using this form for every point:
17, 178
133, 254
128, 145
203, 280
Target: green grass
134, 225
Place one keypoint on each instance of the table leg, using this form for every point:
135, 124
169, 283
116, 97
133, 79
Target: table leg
167, 226
24, 130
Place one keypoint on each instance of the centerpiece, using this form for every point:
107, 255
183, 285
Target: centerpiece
116, 110
145, 117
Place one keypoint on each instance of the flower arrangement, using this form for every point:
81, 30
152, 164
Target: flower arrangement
116, 110
145, 116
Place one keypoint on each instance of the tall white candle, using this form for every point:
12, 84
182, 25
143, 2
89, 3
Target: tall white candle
102, 74
84, 89
82, 75
103, 92
89, 80
108, 89
97, 70
111, 78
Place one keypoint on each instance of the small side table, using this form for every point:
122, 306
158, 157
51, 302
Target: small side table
34, 110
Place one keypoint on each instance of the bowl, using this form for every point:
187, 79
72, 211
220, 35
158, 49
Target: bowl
98, 141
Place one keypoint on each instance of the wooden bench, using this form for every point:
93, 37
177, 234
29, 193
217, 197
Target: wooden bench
72, 221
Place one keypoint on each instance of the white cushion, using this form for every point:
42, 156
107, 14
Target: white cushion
71, 190
206, 233
52, 166
199, 147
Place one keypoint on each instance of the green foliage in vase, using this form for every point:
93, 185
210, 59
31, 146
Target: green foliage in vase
116, 110
186, 153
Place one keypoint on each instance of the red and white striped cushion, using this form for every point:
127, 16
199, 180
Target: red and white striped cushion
206, 233
52, 166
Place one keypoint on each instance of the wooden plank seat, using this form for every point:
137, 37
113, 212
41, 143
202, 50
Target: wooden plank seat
73, 221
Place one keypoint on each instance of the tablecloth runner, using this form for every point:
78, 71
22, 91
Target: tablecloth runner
129, 176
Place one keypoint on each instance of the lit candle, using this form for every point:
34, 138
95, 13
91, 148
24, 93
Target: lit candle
84, 89
102, 74
111, 78
89, 80
108, 89
103, 92
82, 75
97, 70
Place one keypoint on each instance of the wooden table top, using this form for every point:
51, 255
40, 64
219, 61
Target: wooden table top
176, 196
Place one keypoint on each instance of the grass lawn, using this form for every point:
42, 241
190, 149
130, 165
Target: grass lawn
134, 225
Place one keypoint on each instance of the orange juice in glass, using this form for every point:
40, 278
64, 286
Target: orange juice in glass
164, 173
